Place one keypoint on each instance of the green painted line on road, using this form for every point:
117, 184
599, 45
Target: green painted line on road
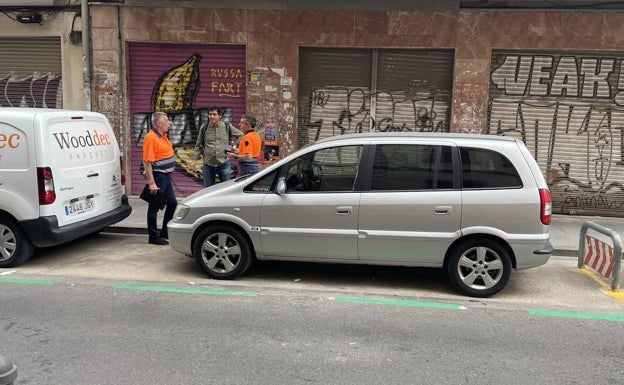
190, 290
27, 281
436, 305
603, 317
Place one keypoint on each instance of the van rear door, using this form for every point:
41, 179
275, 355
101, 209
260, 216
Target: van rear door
81, 151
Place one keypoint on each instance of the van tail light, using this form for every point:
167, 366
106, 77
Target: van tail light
45, 182
123, 175
545, 206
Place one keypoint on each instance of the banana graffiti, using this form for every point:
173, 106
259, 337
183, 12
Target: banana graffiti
175, 90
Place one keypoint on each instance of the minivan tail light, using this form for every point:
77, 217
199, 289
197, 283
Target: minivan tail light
123, 175
45, 182
545, 206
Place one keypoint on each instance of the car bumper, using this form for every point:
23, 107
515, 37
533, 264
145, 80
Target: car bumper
528, 256
180, 237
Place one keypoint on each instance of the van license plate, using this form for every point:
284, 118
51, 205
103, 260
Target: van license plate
81, 206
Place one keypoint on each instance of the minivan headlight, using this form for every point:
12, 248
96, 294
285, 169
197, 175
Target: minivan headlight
181, 211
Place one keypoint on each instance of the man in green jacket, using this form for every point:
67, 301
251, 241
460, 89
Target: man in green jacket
214, 139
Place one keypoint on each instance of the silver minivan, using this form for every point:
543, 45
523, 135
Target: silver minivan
475, 205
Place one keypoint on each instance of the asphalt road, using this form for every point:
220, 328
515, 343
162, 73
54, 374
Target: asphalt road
111, 309
100, 332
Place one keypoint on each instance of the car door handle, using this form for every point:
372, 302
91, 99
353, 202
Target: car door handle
93, 174
442, 210
344, 210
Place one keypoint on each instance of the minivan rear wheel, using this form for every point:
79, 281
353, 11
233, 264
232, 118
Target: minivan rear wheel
15, 247
222, 252
479, 267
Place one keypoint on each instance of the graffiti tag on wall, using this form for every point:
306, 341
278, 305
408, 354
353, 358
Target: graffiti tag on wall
569, 110
227, 82
35, 90
338, 110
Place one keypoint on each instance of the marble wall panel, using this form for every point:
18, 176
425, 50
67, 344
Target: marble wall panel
613, 25
105, 61
613, 42
264, 21
105, 17
315, 22
472, 71
422, 23
108, 39
153, 18
371, 22
469, 110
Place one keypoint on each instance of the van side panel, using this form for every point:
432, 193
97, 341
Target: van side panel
18, 174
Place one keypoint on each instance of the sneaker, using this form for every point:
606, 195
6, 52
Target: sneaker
158, 241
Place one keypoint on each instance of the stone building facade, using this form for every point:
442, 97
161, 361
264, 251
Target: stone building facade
551, 78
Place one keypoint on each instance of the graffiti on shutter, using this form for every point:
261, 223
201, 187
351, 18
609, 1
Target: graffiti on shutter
30, 72
569, 110
351, 91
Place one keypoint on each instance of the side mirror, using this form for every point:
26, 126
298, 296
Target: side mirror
281, 186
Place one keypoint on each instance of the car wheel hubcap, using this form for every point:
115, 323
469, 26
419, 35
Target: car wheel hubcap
221, 253
7, 243
480, 268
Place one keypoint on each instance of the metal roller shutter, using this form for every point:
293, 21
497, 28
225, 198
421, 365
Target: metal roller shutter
30, 72
567, 108
331, 85
183, 80
414, 90
353, 90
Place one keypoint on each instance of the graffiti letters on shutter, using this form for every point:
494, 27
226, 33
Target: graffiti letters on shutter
569, 110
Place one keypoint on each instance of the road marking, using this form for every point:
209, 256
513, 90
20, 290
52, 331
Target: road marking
604, 317
436, 305
193, 290
616, 295
27, 281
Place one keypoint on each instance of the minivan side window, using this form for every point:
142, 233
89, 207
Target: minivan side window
406, 167
329, 169
262, 185
483, 168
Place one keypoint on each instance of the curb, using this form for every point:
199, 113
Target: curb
566, 253
125, 230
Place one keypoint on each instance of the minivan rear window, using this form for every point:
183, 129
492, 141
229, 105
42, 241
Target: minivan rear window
483, 168
407, 167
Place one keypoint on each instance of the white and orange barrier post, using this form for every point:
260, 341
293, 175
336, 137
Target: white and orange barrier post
603, 258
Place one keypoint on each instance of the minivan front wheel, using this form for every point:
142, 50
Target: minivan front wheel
222, 252
15, 247
479, 267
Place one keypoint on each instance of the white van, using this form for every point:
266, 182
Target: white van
60, 179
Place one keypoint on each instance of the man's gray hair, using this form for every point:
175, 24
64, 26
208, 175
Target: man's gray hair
250, 119
156, 116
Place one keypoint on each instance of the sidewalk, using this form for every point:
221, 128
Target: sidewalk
564, 230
